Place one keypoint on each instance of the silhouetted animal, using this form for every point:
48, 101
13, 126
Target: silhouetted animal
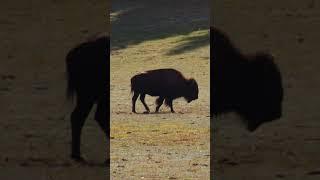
87, 68
167, 84
250, 85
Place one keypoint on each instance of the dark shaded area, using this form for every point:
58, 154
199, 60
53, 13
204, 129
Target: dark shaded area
167, 84
87, 70
136, 21
250, 85
190, 43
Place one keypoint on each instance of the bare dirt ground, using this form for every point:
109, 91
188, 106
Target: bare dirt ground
35, 37
288, 148
163, 145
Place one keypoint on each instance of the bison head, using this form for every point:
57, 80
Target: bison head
192, 90
264, 87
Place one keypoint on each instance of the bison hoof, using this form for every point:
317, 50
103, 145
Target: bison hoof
78, 159
107, 162
146, 112
173, 111
252, 126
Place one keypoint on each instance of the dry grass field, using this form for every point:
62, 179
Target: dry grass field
163, 145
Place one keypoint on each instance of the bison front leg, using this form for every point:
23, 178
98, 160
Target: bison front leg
78, 118
142, 96
159, 102
101, 117
134, 99
169, 103
104, 123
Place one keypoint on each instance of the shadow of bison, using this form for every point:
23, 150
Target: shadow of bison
249, 85
167, 84
87, 68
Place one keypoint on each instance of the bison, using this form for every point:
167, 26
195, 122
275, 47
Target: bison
87, 77
167, 84
249, 84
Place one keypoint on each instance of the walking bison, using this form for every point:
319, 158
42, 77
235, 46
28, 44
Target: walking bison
167, 84
87, 76
250, 85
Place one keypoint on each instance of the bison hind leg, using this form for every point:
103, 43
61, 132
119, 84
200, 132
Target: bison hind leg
134, 99
78, 117
142, 96
101, 116
159, 102
168, 102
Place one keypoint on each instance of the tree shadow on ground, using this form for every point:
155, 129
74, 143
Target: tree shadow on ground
190, 43
134, 22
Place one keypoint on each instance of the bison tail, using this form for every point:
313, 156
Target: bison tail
70, 80
135, 84
132, 85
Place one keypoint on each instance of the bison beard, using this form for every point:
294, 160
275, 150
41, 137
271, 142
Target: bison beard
87, 70
250, 85
167, 84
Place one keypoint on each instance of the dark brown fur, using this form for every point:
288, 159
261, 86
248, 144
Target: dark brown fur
167, 84
87, 69
250, 85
